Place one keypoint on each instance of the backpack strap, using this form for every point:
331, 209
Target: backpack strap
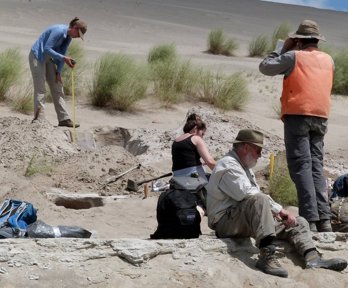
4, 205
6, 208
15, 214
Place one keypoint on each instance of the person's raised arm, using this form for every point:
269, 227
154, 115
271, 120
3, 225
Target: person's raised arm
279, 62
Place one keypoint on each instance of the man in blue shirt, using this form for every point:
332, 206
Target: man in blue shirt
46, 61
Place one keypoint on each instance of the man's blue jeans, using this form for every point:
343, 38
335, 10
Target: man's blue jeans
304, 143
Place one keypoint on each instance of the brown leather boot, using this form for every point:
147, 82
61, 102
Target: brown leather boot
68, 123
268, 262
313, 260
324, 226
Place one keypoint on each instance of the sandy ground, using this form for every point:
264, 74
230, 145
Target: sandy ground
133, 27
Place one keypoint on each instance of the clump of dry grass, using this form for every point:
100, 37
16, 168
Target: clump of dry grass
38, 165
225, 92
280, 32
76, 52
173, 80
259, 46
11, 68
21, 97
340, 84
218, 43
281, 187
118, 82
163, 52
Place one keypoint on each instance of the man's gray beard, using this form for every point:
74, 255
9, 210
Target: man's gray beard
250, 161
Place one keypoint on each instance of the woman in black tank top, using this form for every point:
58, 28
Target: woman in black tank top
189, 148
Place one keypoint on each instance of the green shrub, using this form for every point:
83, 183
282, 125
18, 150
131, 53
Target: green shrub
173, 79
76, 52
327, 49
21, 98
259, 46
209, 86
281, 187
281, 32
11, 68
230, 46
130, 89
104, 77
233, 93
340, 83
162, 53
38, 166
218, 44
115, 75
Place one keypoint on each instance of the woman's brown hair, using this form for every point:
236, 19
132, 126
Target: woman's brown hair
193, 120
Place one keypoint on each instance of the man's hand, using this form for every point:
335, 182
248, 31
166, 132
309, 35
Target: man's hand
287, 218
69, 61
289, 44
58, 78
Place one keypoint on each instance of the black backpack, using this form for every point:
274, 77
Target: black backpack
177, 215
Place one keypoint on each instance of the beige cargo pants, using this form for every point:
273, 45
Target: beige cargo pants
42, 72
253, 218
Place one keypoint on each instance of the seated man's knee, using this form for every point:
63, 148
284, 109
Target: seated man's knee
302, 222
259, 198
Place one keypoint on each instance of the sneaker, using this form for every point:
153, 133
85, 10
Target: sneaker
269, 264
68, 123
313, 226
324, 226
336, 264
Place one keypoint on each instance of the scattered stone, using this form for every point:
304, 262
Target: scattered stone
3, 270
325, 237
34, 277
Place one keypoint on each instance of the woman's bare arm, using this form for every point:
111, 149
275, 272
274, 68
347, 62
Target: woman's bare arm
203, 151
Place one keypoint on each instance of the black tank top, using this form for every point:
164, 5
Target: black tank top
185, 154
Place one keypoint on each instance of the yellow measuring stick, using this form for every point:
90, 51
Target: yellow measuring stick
73, 103
271, 165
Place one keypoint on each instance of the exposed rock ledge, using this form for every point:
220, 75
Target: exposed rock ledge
136, 251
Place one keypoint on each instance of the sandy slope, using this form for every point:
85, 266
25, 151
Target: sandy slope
133, 27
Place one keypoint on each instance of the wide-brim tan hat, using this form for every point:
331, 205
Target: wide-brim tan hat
250, 136
82, 26
308, 29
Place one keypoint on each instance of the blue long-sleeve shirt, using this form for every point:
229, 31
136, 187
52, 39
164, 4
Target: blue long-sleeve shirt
54, 41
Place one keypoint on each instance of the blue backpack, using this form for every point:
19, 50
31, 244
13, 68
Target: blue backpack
340, 187
17, 215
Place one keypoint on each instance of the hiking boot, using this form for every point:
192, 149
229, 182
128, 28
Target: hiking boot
38, 120
268, 262
313, 260
313, 226
324, 226
68, 123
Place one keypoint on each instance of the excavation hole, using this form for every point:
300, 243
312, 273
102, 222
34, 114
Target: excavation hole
77, 204
120, 137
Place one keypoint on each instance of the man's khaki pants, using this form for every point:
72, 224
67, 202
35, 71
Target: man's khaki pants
253, 218
41, 72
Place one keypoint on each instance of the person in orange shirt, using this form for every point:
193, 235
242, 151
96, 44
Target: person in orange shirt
305, 106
